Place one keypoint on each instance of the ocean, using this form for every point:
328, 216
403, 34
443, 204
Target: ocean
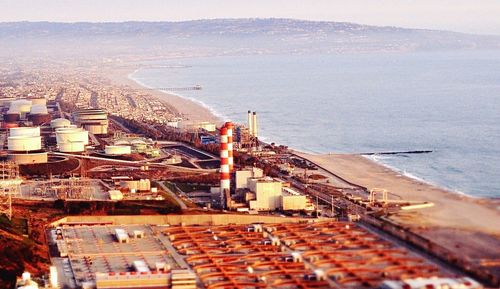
446, 102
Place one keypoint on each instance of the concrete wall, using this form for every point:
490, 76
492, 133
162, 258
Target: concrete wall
218, 219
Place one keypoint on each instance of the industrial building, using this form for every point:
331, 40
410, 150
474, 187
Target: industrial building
267, 194
133, 186
315, 255
115, 195
242, 176
207, 126
187, 252
112, 256
137, 144
292, 200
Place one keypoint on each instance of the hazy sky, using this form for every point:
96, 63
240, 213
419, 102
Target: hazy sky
477, 16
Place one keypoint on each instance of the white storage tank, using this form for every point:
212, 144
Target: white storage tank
68, 135
24, 143
117, 150
21, 105
39, 109
13, 109
71, 147
38, 101
59, 123
99, 129
25, 131
90, 114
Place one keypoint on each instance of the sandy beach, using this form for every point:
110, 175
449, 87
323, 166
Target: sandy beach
456, 221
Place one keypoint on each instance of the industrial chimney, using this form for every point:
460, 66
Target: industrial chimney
250, 126
254, 125
229, 126
225, 184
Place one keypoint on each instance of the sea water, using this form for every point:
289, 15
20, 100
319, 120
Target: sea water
447, 102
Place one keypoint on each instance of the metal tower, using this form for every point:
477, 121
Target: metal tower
9, 185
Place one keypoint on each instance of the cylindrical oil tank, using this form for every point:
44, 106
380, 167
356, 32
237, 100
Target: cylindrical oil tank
24, 143
30, 158
64, 135
22, 105
36, 101
39, 109
39, 119
59, 123
71, 147
98, 129
90, 114
25, 131
117, 150
11, 116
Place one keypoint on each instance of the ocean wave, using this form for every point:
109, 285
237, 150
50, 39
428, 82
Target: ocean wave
379, 159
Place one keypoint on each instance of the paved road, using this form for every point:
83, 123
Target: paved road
168, 191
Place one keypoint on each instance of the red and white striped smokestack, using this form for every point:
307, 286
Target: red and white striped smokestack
229, 126
224, 162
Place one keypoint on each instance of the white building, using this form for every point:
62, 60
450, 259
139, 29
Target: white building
267, 194
293, 201
243, 176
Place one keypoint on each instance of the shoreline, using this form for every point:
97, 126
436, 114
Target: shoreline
185, 106
191, 111
195, 112
456, 221
368, 173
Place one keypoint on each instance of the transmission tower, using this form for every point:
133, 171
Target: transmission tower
9, 185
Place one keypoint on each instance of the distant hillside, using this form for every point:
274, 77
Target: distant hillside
226, 36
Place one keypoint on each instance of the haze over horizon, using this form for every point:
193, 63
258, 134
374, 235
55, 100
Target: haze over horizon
478, 17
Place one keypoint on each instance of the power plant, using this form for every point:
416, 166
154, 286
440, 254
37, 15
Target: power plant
139, 201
